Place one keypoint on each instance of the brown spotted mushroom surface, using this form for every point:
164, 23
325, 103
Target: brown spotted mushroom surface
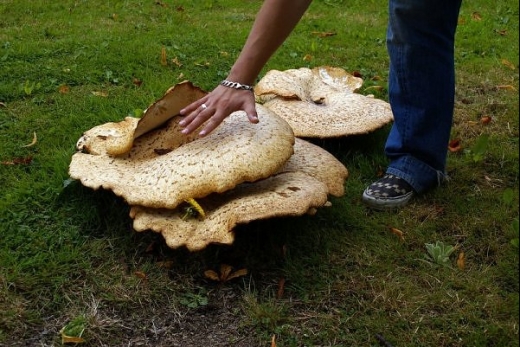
300, 187
322, 102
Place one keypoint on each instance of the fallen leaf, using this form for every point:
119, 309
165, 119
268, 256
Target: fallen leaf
166, 264
461, 261
476, 16
176, 62
137, 82
64, 89
307, 57
224, 54
33, 142
324, 34
225, 275
18, 161
273, 341
508, 64
140, 274
454, 146
398, 233
101, 93
502, 32
164, 61
3, 104
71, 339
506, 87
281, 288
212, 275
485, 119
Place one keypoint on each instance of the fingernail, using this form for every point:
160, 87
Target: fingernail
184, 131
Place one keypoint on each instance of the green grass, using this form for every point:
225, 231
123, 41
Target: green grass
69, 254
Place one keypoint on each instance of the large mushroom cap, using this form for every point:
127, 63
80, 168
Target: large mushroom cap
298, 188
165, 167
322, 102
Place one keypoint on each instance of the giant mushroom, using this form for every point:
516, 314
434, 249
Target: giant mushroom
238, 173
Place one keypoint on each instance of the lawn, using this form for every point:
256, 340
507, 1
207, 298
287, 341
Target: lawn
72, 269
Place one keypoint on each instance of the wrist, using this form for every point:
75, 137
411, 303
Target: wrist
236, 85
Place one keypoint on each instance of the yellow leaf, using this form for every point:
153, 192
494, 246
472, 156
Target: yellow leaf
71, 339
34, 140
506, 87
164, 62
102, 94
307, 57
476, 16
508, 64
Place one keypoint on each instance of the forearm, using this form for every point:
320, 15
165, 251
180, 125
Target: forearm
274, 22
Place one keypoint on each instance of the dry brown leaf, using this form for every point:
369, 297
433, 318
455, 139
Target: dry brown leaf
18, 161
307, 57
64, 89
236, 274
374, 88
281, 288
454, 146
485, 119
212, 275
3, 104
165, 264
476, 16
140, 274
506, 87
398, 233
33, 142
324, 34
273, 341
225, 275
461, 261
137, 82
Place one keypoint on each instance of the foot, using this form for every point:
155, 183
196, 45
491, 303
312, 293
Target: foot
389, 192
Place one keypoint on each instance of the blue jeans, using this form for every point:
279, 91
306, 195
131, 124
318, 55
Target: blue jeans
420, 42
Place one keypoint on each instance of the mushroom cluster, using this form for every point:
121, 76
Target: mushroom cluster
195, 191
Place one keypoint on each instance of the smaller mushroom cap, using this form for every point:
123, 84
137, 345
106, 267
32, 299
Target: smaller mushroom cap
318, 163
285, 194
109, 138
322, 102
118, 138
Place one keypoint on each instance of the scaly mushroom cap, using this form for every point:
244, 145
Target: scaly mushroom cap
285, 194
318, 163
117, 138
165, 167
300, 187
322, 102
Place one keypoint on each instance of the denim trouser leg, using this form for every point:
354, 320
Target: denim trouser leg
420, 42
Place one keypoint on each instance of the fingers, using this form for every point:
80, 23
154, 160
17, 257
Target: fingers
212, 109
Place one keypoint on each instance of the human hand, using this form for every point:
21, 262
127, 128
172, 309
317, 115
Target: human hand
215, 107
